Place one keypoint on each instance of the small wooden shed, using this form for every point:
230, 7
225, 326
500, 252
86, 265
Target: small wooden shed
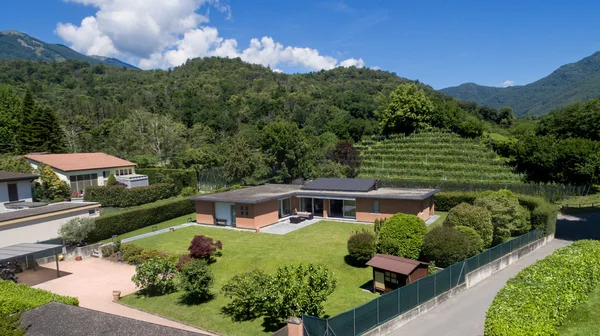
391, 272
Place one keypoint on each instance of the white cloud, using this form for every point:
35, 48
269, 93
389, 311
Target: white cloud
375, 68
508, 83
161, 33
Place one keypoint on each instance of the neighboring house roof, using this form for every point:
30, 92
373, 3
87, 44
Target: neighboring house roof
25, 249
79, 161
268, 192
341, 184
10, 176
394, 264
10, 217
58, 319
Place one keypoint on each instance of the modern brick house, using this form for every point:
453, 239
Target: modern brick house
353, 199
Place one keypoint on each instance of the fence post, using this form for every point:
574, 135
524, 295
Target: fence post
354, 322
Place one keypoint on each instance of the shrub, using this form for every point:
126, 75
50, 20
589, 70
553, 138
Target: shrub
203, 247
402, 235
126, 221
182, 260
475, 217
10, 325
248, 294
362, 246
155, 276
474, 239
378, 224
446, 200
151, 253
539, 298
107, 251
446, 245
112, 180
17, 298
118, 245
503, 205
131, 253
121, 197
188, 191
182, 178
51, 188
76, 230
195, 280
543, 213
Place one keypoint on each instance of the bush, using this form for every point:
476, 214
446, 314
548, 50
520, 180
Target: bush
402, 235
10, 325
17, 298
131, 253
188, 191
507, 218
446, 245
107, 251
248, 294
446, 200
203, 247
76, 230
121, 197
195, 280
362, 246
475, 217
155, 276
378, 224
474, 239
182, 178
182, 260
127, 221
112, 180
538, 299
118, 245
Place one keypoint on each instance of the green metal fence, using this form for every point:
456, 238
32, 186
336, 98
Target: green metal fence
388, 306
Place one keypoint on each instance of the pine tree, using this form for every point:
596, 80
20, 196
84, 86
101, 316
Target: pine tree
48, 131
26, 135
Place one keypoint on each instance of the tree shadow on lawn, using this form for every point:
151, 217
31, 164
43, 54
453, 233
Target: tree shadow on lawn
351, 261
187, 300
271, 325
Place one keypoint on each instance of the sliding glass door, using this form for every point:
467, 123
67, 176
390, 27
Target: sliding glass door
285, 207
342, 208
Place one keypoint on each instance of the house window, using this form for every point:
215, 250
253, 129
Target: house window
391, 277
285, 207
80, 182
244, 211
375, 207
130, 171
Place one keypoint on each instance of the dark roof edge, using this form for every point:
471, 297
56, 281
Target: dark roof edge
22, 178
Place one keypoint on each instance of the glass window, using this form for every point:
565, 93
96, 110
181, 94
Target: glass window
350, 209
375, 207
73, 178
306, 204
285, 207
130, 171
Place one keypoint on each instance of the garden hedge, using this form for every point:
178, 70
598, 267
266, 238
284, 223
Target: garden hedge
129, 220
446, 245
478, 218
180, 177
402, 235
543, 213
540, 297
17, 298
122, 197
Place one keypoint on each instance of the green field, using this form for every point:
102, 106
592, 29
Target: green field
110, 210
163, 225
583, 321
433, 156
323, 243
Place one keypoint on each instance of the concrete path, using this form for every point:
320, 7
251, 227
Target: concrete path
92, 282
464, 314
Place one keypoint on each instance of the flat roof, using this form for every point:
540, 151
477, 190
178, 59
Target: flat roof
79, 161
394, 264
44, 210
341, 184
10, 176
24, 249
269, 192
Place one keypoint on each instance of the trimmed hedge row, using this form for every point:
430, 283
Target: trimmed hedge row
122, 197
540, 297
126, 221
17, 298
543, 213
180, 177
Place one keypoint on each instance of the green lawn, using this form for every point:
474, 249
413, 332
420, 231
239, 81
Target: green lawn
323, 243
593, 197
163, 225
439, 221
583, 321
109, 210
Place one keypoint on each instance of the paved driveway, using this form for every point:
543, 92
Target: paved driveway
464, 314
93, 281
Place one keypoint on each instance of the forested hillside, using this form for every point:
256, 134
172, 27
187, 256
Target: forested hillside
575, 82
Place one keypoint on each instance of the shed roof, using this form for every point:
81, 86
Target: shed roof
341, 184
394, 264
79, 161
57, 319
24, 249
44, 210
10, 176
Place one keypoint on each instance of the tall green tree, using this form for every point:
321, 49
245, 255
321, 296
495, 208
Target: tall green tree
243, 163
52, 189
407, 109
26, 134
286, 150
9, 120
48, 132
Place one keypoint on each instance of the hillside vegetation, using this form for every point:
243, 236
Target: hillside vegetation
575, 82
433, 155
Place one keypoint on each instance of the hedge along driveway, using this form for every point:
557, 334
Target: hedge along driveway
321, 243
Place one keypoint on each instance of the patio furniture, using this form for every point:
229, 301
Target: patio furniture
220, 221
296, 219
305, 215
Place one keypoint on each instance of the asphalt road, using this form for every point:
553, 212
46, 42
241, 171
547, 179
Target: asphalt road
464, 314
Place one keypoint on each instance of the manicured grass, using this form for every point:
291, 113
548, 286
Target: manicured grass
321, 243
593, 197
583, 321
439, 221
109, 210
163, 225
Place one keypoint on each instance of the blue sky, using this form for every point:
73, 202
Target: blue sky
440, 43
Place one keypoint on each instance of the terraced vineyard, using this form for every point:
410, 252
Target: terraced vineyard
433, 156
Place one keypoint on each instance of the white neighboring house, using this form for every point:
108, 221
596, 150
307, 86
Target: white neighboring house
81, 170
15, 187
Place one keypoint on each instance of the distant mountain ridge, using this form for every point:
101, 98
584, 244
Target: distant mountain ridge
15, 45
574, 82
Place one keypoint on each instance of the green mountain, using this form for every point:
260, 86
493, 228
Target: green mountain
575, 82
15, 45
